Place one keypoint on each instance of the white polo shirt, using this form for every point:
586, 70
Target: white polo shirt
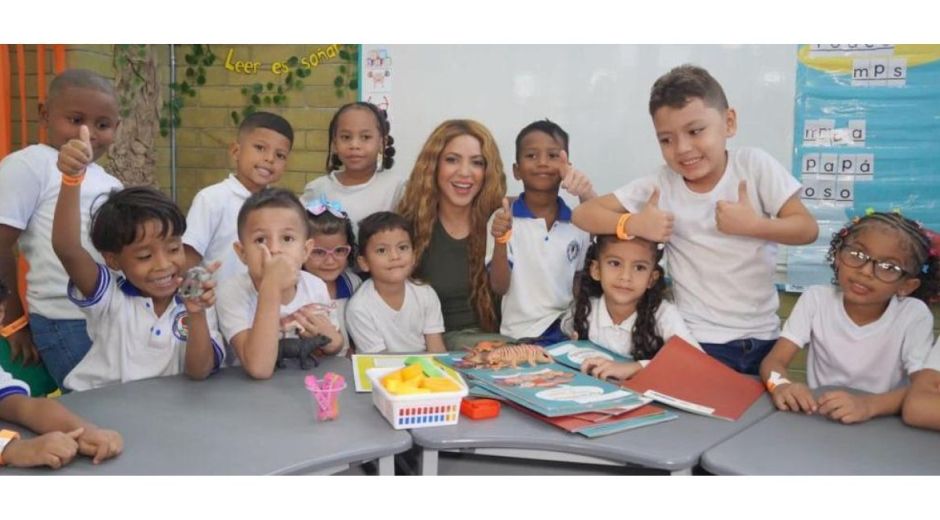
543, 263
128, 340
346, 286
376, 327
10, 386
381, 193
29, 190
876, 357
933, 359
238, 301
723, 284
212, 225
619, 338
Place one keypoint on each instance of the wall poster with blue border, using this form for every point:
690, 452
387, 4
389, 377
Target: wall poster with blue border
866, 135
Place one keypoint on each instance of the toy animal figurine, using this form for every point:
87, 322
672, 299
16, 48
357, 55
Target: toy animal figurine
299, 348
496, 355
192, 282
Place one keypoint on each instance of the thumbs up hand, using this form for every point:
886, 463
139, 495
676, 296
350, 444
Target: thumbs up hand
502, 221
574, 181
737, 218
651, 222
76, 155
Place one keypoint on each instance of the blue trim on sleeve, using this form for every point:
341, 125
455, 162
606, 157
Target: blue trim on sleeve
101, 286
218, 353
7, 391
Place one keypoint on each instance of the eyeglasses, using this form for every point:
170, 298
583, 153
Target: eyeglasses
336, 252
885, 271
317, 207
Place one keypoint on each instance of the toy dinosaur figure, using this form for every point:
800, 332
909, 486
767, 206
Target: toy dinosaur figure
300, 348
496, 355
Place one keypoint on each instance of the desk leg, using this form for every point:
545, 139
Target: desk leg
429, 462
387, 466
682, 472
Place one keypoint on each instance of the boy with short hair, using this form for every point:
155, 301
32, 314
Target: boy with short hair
29, 188
62, 433
720, 212
140, 327
274, 299
260, 152
389, 312
533, 250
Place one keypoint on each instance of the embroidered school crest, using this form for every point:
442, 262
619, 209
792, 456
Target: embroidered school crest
573, 249
180, 326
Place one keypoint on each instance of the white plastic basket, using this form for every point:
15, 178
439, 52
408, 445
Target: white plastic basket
415, 410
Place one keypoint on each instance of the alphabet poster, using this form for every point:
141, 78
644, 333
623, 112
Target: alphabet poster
866, 135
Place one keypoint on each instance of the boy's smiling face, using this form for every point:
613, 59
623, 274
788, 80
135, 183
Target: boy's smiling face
692, 140
539, 162
153, 262
260, 157
64, 114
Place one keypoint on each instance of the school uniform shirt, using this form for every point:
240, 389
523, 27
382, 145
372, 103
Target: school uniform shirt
346, 286
212, 225
128, 340
723, 284
29, 190
10, 386
876, 357
376, 327
238, 301
380, 193
543, 263
619, 338
933, 359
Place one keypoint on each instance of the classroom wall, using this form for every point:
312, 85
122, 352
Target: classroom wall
207, 129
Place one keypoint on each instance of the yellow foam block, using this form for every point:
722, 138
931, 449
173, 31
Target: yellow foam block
440, 384
412, 372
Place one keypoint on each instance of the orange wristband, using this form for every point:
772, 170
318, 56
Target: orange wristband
504, 239
622, 227
6, 437
73, 181
14, 326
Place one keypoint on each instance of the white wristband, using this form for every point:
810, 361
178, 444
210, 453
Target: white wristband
775, 381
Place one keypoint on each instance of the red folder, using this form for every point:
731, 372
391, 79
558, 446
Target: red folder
682, 376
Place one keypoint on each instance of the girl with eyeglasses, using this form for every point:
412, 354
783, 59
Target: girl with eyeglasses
333, 245
869, 331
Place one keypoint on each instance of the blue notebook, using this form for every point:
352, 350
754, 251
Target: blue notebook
550, 389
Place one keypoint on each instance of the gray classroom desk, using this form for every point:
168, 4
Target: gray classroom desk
673, 446
787, 443
232, 425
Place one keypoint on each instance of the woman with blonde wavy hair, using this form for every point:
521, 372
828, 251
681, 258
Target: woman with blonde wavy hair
456, 184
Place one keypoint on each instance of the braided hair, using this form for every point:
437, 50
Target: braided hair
382, 124
922, 257
646, 342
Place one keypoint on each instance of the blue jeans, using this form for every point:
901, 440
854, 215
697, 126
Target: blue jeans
61, 344
743, 355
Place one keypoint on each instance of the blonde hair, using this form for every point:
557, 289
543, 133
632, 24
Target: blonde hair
420, 205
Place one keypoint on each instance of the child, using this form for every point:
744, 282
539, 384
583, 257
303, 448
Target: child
360, 147
720, 213
864, 334
333, 242
140, 327
29, 188
63, 434
620, 306
922, 404
533, 250
390, 313
260, 152
273, 242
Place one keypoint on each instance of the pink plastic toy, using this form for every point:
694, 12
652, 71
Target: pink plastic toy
325, 393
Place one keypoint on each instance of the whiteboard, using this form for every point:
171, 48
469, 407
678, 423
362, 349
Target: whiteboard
598, 93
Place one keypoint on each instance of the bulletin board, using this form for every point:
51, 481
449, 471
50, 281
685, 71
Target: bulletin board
866, 135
